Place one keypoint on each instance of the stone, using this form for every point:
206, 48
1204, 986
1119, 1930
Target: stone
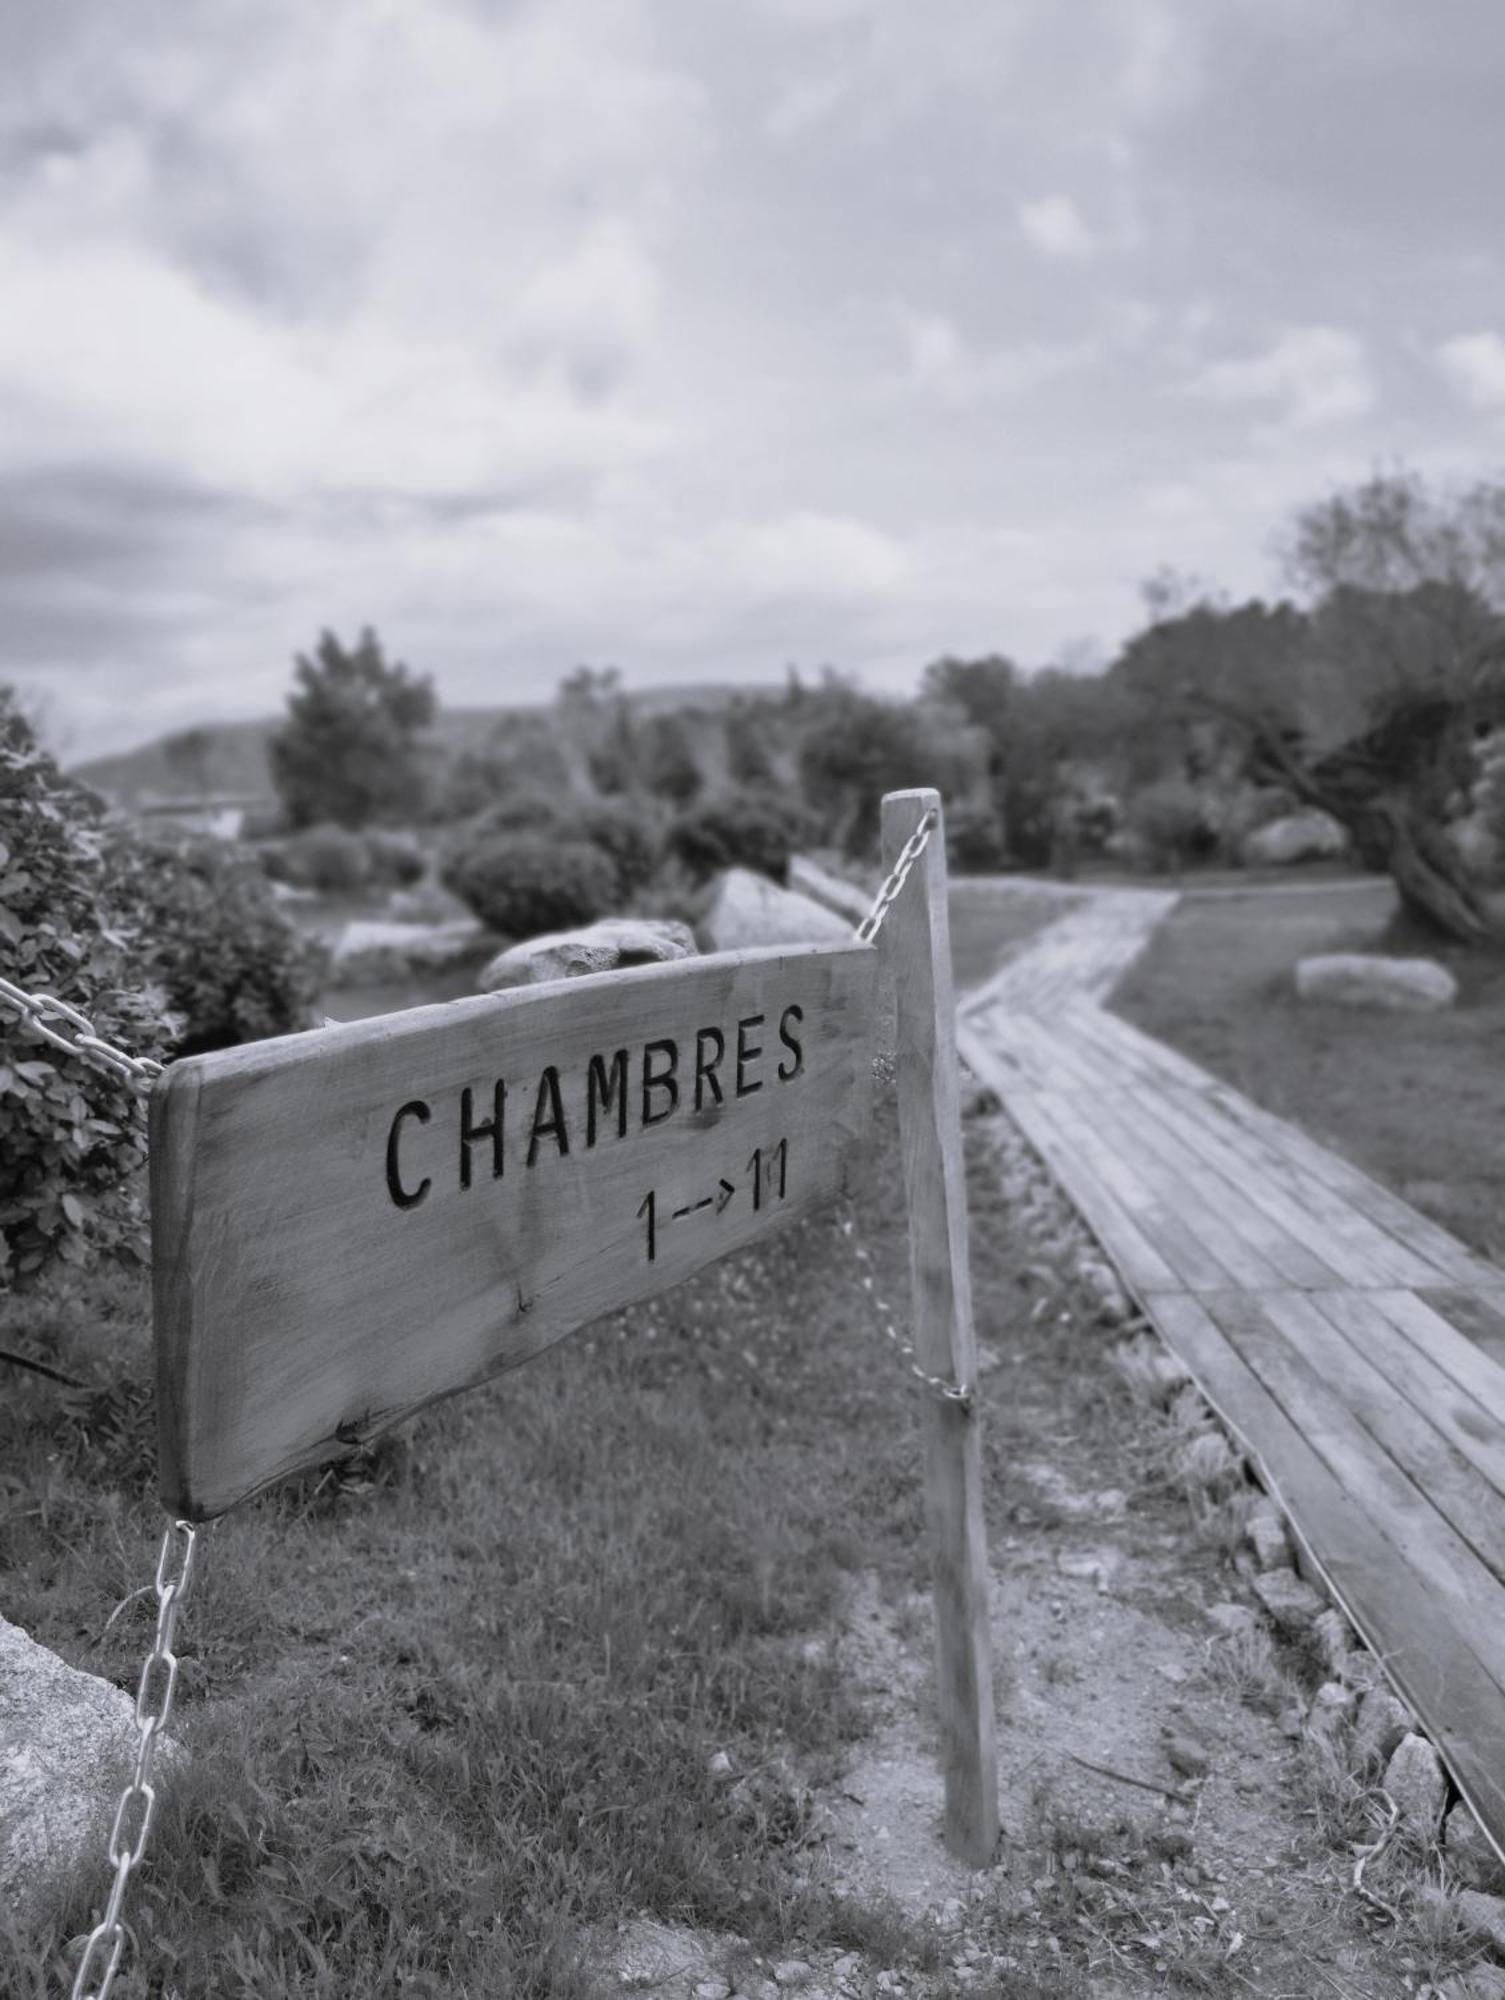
791, 1972
1471, 1853
66, 1741
608, 946
1332, 1706
1383, 1720
1186, 1756
1414, 1779
750, 910
426, 902
1334, 1637
1232, 1620
1367, 979
1113, 1303
713, 1989
1267, 1537
1290, 1602
1303, 836
370, 953
1484, 1982
719, 1766
1484, 1916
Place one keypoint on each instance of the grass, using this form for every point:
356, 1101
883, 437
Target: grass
992, 919
457, 1705
1418, 1100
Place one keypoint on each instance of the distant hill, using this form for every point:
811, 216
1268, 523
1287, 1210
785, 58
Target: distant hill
231, 757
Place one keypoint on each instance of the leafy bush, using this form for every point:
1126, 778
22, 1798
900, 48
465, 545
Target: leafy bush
233, 968
72, 1137
328, 858
976, 842
626, 834
1170, 825
748, 829
523, 883
397, 861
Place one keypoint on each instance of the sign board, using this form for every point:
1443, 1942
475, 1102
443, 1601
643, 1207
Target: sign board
350, 1223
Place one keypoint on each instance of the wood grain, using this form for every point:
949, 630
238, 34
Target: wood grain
350, 1223
917, 949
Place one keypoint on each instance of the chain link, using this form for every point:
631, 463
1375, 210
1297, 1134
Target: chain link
106, 1942
867, 1277
43, 1011
898, 875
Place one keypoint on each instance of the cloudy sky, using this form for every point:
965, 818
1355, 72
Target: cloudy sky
703, 336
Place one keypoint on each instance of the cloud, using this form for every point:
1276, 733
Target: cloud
944, 365
1055, 226
1310, 376
1474, 364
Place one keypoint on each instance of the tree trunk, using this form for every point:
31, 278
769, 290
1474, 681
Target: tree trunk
1431, 876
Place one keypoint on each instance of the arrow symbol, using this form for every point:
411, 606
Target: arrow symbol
726, 1191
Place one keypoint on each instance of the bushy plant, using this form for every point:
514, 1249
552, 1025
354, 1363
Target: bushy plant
626, 833
524, 883
976, 843
1169, 825
742, 829
396, 859
232, 966
72, 1136
327, 858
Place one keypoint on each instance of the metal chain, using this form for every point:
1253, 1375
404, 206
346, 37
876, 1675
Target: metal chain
909, 854
948, 1392
107, 1939
41, 1010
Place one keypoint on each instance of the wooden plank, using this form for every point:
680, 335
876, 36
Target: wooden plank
1252, 1202
1478, 1383
1479, 1315
350, 1223
1196, 1267
1425, 1653
1139, 1263
916, 946
1170, 1177
1404, 1404
1429, 1546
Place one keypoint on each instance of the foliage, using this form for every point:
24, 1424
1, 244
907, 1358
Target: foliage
628, 834
739, 829
233, 968
327, 858
397, 860
523, 753
976, 842
667, 761
521, 884
749, 760
1169, 825
72, 1137
854, 748
351, 749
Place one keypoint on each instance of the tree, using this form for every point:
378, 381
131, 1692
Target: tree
854, 749
669, 769
351, 749
1369, 700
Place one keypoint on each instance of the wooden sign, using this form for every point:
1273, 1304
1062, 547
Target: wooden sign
350, 1223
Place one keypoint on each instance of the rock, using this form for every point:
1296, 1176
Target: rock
605, 947
1414, 1779
791, 1972
426, 902
712, 1989
66, 1739
1484, 1916
751, 910
1290, 1602
1332, 1706
1232, 1620
1113, 1303
1366, 979
1267, 1537
368, 953
1187, 1756
1304, 836
1334, 1638
1382, 1722
1484, 1982
719, 1765
1471, 1853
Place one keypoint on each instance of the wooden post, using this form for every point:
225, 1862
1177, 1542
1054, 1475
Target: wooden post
916, 944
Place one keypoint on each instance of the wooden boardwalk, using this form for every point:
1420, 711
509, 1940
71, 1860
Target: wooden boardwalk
1355, 1348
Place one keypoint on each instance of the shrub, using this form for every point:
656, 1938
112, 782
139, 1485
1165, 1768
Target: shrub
976, 843
396, 859
72, 1136
626, 834
523, 883
328, 858
739, 830
233, 968
1170, 825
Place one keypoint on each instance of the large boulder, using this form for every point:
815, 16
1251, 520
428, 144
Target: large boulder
1363, 979
751, 910
370, 953
608, 946
66, 1739
1305, 836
